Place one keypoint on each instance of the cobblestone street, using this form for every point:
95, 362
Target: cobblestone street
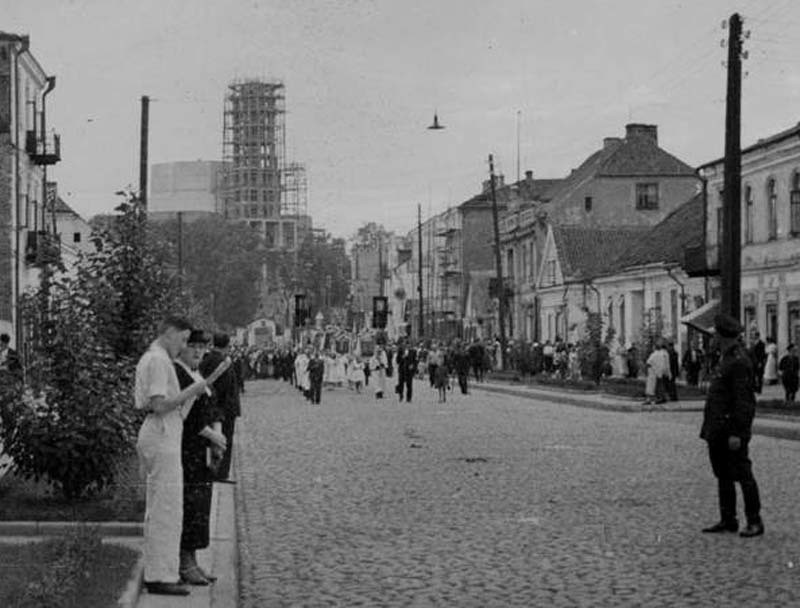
494, 500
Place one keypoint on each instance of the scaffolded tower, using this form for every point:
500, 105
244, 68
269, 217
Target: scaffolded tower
258, 186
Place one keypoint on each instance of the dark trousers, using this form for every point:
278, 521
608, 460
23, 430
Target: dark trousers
432, 374
462, 381
316, 391
758, 379
730, 466
405, 385
228, 424
672, 388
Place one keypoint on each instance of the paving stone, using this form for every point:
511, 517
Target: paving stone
509, 501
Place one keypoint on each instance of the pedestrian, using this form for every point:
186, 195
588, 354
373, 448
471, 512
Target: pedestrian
758, 354
692, 363
202, 437
674, 371
228, 399
771, 363
316, 376
476, 353
434, 357
406, 368
378, 365
462, 364
727, 422
157, 392
789, 369
9, 359
355, 373
657, 366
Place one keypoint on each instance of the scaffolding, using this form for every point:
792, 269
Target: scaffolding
253, 148
295, 190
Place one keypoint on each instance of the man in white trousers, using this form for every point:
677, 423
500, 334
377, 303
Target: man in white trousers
159, 447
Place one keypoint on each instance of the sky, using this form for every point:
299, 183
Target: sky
363, 79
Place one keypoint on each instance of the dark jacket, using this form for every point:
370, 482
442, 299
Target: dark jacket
731, 403
226, 388
316, 370
406, 363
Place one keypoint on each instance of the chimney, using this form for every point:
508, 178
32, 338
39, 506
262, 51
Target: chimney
636, 130
529, 176
611, 142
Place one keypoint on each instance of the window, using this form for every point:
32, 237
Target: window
658, 302
719, 226
748, 214
76, 237
647, 196
794, 201
772, 209
551, 272
587, 203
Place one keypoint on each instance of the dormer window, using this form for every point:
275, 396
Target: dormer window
587, 203
647, 196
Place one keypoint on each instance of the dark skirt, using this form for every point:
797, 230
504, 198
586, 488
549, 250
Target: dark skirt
196, 512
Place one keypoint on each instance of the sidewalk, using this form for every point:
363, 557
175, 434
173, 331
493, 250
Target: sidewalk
772, 425
220, 559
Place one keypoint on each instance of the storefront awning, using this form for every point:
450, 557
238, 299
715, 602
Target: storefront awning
702, 319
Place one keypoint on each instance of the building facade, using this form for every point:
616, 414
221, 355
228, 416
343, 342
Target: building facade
770, 262
27, 148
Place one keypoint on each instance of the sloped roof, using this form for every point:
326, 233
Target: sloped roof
631, 156
665, 242
535, 189
585, 252
62, 207
764, 142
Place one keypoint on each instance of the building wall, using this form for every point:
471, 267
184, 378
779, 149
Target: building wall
614, 201
184, 186
770, 283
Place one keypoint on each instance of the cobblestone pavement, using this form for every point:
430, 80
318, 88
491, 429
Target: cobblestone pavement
494, 500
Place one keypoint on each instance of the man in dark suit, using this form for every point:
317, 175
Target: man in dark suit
316, 374
758, 354
226, 397
727, 423
406, 368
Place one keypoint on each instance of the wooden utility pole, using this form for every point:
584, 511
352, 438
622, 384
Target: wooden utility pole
380, 264
419, 271
180, 249
731, 246
143, 150
501, 288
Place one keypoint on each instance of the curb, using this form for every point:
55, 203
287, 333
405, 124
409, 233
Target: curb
768, 426
130, 596
55, 528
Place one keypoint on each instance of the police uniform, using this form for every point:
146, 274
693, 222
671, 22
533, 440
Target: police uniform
728, 413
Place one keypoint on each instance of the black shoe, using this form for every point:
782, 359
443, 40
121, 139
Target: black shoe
723, 526
160, 588
193, 576
752, 530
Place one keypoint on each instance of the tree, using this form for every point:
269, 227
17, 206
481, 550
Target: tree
222, 266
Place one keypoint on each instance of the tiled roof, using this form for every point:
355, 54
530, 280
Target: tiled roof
632, 156
665, 242
62, 207
536, 189
585, 253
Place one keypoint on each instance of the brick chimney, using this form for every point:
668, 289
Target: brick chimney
529, 176
638, 131
611, 142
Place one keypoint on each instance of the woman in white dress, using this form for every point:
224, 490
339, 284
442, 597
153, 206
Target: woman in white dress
378, 365
771, 366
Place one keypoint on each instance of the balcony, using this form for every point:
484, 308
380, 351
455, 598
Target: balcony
696, 264
42, 248
43, 149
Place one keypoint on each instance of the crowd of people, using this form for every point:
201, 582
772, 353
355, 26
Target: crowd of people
387, 365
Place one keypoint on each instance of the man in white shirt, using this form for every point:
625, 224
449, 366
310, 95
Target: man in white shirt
159, 447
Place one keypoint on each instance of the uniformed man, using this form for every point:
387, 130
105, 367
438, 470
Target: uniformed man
727, 422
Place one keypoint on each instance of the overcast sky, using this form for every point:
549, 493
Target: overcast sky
363, 79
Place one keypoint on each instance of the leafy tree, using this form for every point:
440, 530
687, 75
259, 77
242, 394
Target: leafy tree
222, 266
593, 350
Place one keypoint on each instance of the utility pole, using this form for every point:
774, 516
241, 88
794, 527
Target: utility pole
380, 264
180, 249
731, 246
501, 288
143, 151
419, 271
